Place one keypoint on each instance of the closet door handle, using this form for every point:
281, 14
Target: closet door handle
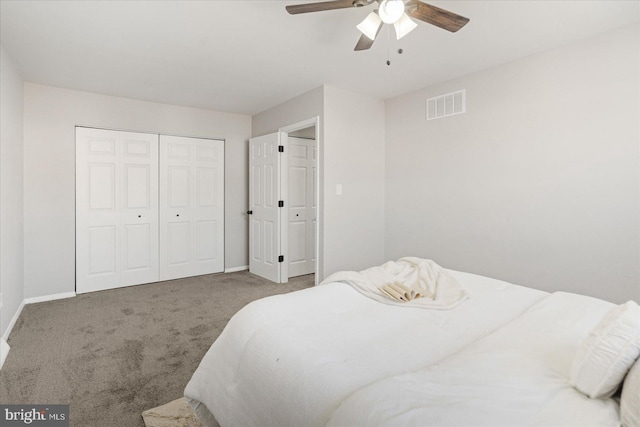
177, 214
249, 212
139, 216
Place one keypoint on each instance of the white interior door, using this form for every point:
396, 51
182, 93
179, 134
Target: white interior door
301, 201
264, 213
116, 209
191, 206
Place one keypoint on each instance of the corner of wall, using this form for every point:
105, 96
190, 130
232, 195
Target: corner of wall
11, 192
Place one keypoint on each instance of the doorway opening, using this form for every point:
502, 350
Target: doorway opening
285, 205
302, 207
302, 220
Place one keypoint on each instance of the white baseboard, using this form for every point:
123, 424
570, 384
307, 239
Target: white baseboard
4, 352
49, 297
12, 323
4, 347
234, 269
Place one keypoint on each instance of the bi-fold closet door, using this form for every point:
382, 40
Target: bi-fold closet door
148, 208
116, 209
191, 207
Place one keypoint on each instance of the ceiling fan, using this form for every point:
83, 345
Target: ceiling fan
396, 12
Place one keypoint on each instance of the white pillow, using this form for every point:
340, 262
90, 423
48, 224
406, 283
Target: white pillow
606, 355
630, 400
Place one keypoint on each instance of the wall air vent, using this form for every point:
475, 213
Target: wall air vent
449, 104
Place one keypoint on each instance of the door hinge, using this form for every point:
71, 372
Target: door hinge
281, 203
281, 148
281, 258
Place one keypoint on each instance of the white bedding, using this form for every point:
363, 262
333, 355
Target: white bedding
290, 360
516, 376
439, 290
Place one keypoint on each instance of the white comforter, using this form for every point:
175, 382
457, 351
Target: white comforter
290, 360
517, 376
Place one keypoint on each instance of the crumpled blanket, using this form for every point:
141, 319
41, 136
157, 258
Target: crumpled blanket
439, 289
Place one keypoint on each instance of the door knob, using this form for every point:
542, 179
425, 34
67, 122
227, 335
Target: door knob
249, 212
177, 214
139, 216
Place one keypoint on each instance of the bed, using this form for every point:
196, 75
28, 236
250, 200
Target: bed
330, 355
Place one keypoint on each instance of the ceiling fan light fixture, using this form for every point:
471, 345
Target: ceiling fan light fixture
391, 11
404, 26
370, 26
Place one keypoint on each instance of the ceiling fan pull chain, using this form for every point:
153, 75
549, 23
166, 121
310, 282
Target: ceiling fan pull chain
388, 60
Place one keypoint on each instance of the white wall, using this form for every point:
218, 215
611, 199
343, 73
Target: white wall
50, 115
352, 154
538, 183
11, 190
354, 157
305, 106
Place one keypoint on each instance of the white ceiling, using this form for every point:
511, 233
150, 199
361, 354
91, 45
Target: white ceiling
246, 56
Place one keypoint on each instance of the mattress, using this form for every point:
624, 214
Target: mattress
291, 360
516, 376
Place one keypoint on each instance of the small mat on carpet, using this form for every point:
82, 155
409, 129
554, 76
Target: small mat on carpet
177, 413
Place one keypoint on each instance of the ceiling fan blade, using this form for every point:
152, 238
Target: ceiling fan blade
364, 43
320, 6
435, 16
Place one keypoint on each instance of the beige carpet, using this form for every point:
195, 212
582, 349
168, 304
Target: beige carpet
173, 414
113, 354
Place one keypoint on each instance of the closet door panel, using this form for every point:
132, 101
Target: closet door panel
191, 206
208, 215
97, 210
206, 187
178, 243
102, 251
116, 209
206, 233
178, 186
139, 209
175, 208
102, 186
